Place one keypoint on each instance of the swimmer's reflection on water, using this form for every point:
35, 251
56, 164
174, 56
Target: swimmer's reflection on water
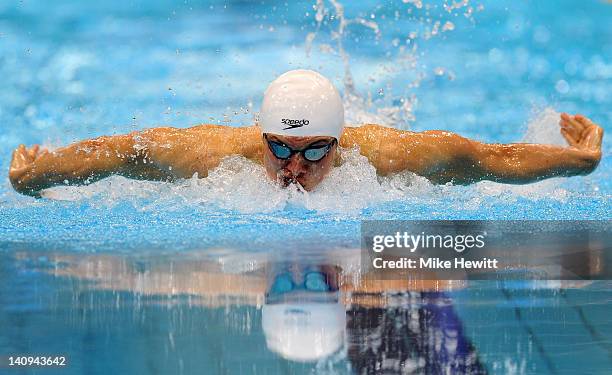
300, 128
417, 333
303, 318
310, 312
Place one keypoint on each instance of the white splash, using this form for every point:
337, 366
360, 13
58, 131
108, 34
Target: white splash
379, 105
363, 109
348, 186
543, 127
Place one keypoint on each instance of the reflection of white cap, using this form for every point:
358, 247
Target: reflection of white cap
302, 103
304, 332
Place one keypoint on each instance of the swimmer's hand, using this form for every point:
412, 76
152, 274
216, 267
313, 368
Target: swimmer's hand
21, 165
582, 134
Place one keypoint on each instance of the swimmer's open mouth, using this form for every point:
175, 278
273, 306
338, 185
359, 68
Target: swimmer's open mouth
288, 180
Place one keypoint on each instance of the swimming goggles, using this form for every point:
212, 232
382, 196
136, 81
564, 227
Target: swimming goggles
310, 153
313, 281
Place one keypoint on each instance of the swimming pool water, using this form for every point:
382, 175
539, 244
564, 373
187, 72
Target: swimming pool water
496, 71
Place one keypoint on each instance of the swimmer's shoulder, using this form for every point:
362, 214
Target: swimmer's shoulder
221, 135
248, 131
210, 131
238, 140
371, 133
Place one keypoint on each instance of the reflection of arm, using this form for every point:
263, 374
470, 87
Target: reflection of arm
203, 279
447, 157
370, 290
197, 279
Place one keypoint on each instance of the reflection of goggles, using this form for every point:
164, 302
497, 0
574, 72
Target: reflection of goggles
313, 281
310, 153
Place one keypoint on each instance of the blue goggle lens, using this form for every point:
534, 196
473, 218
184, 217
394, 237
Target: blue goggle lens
280, 151
316, 154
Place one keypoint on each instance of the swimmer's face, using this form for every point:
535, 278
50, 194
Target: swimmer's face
296, 168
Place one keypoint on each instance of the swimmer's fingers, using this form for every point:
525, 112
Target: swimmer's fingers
36, 151
571, 124
19, 166
585, 122
585, 133
593, 133
570, 131
23, 157
568, 137
573, 121
15, 159
41, 152
592, 138
20, 159
32, 153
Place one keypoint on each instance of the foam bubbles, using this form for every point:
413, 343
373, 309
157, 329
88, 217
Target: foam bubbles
547, 189
562, 86
543, 128
352, 186
236, 184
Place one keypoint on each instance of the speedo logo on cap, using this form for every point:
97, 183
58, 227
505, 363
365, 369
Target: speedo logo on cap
291, 124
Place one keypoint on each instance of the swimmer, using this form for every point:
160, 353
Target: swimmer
297, 139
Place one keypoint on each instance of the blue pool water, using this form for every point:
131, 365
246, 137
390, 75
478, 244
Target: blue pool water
495, 71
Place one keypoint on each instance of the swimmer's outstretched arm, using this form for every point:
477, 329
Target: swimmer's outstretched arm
35, 169
447, 157
153, 154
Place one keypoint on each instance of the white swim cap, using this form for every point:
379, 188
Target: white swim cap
304, 331
302, 103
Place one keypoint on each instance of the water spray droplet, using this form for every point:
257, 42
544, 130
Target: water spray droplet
448, 26
562, 86
416, 3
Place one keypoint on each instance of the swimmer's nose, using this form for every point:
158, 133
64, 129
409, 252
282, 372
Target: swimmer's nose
296, 165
